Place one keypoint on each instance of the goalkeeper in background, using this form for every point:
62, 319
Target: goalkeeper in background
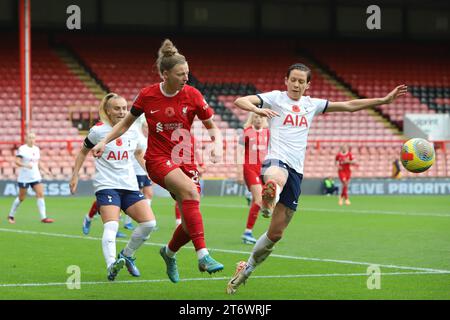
329, 187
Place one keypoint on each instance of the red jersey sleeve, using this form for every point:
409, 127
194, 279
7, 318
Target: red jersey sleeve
203, 110
138, 102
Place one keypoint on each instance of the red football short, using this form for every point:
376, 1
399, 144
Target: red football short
344, 175
252, 175
158, 169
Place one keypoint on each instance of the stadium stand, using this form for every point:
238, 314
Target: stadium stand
228, 69
54, 90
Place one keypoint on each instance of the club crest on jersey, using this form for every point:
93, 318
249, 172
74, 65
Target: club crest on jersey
296, 121
119, 142
295, 108
184, 110
170, 112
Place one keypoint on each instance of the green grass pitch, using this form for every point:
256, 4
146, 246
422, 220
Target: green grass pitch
325, 253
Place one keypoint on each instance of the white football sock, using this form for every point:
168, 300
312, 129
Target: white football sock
109, 241
127, 219
201, 253
169, 252
138, 237
41, 206
177, 222
261, 250
14, 207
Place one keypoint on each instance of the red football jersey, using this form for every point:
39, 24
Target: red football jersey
169, 120
340, 158
256, 143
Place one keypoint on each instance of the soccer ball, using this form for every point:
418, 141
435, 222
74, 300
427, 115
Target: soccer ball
417, 155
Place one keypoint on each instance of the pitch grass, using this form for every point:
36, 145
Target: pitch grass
324, 255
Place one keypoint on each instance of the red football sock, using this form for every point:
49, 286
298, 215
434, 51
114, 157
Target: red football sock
179, 239
344, 192
93, 210
177, 211
252, 215
194, 222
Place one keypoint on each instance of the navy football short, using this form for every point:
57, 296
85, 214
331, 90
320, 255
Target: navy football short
291, 191
25, 185
143, 181
118, 197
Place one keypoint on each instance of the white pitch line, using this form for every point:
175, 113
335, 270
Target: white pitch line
340, 210
236, 251
326, 275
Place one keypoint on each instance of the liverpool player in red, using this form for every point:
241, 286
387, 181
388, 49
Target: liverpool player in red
255, 141
344, 159
170, 108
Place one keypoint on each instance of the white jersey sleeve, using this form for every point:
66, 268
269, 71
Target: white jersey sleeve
268, 99
320, 104
93, 135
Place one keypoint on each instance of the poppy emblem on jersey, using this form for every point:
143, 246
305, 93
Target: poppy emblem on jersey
170, 112
119, 142
295, 108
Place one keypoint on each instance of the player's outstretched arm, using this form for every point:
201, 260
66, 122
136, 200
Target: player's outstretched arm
250, 103
139, 155
216, 137
19, 163
360, 104
44, 169
76, 168
118, 130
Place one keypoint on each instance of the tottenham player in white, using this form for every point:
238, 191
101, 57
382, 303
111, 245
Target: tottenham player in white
290, 116
116, 186
144, 182
27, 159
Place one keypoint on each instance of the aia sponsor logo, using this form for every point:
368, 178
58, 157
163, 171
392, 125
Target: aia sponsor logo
296, 121
117, 155
295, 108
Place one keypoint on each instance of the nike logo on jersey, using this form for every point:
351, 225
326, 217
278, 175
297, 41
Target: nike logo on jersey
153, 111
141, 195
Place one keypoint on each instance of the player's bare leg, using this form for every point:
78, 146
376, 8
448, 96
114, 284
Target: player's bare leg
263, 248
15, 205
275, 178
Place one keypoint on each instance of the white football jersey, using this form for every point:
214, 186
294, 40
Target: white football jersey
289, 131
114, 169
29, 155
141, 144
